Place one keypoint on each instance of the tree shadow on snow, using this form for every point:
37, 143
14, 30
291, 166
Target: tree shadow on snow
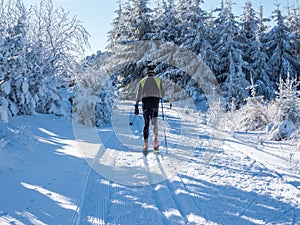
230, 205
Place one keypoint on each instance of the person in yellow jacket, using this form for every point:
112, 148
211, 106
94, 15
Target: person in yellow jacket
150, 91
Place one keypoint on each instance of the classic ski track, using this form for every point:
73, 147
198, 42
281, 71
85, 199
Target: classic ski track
96, 200
88, 187
184, 209
167, 197
116, 212
157, 200
77, 214
96, 192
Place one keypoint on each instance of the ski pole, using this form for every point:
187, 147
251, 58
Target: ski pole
163, 116
131, 123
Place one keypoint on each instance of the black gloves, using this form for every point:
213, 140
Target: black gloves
136, 109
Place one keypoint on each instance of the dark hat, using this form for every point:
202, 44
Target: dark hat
150, 70
150, 67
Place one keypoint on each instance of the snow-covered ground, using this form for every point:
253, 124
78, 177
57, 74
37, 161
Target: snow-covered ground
55, 172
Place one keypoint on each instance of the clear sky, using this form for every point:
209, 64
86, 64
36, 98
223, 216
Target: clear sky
97, 15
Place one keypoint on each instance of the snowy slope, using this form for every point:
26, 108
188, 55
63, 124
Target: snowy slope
56, 172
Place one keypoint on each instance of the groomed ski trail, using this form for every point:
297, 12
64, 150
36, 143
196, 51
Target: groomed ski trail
196, 183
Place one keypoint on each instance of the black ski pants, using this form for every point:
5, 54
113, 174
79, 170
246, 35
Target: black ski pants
150, 114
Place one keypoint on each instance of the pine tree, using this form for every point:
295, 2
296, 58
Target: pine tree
119, 32
279, 48
255, 60
247, 37
20, 99
140, 20
192, 23
293, 23
288, 101
230, 73
4, 82
261, 72
165, 22
262, 28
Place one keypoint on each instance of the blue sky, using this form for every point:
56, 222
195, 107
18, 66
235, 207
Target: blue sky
97, 15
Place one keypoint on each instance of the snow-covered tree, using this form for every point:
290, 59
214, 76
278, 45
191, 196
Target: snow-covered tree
253, 115
288, 106
192, 24
207, 50
262, 20
279, 48
255, 60
293, 23
119, 31
93, 94
14, 69
261, 73
63, 37
165, 22
247, 36
32, 57
230, 70
136, 20
288, 101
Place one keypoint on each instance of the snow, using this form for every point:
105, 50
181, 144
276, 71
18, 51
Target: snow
55, 171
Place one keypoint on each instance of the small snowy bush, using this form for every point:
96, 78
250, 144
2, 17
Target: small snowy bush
252, 116
288, 104
283, 130
91, 87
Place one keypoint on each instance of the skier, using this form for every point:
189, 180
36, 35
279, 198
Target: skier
150, 91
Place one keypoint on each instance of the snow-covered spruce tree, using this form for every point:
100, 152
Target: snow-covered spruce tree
139, 20
261, 21
133, 23
255, 60
230, 71
20, 100
192, 24
279, 48
207, 50
293, 23
119, 32
4, 86
262, 72
105, 102
288, 106
86, 95
165, 22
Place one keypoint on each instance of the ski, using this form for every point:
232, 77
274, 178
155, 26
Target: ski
155, 151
